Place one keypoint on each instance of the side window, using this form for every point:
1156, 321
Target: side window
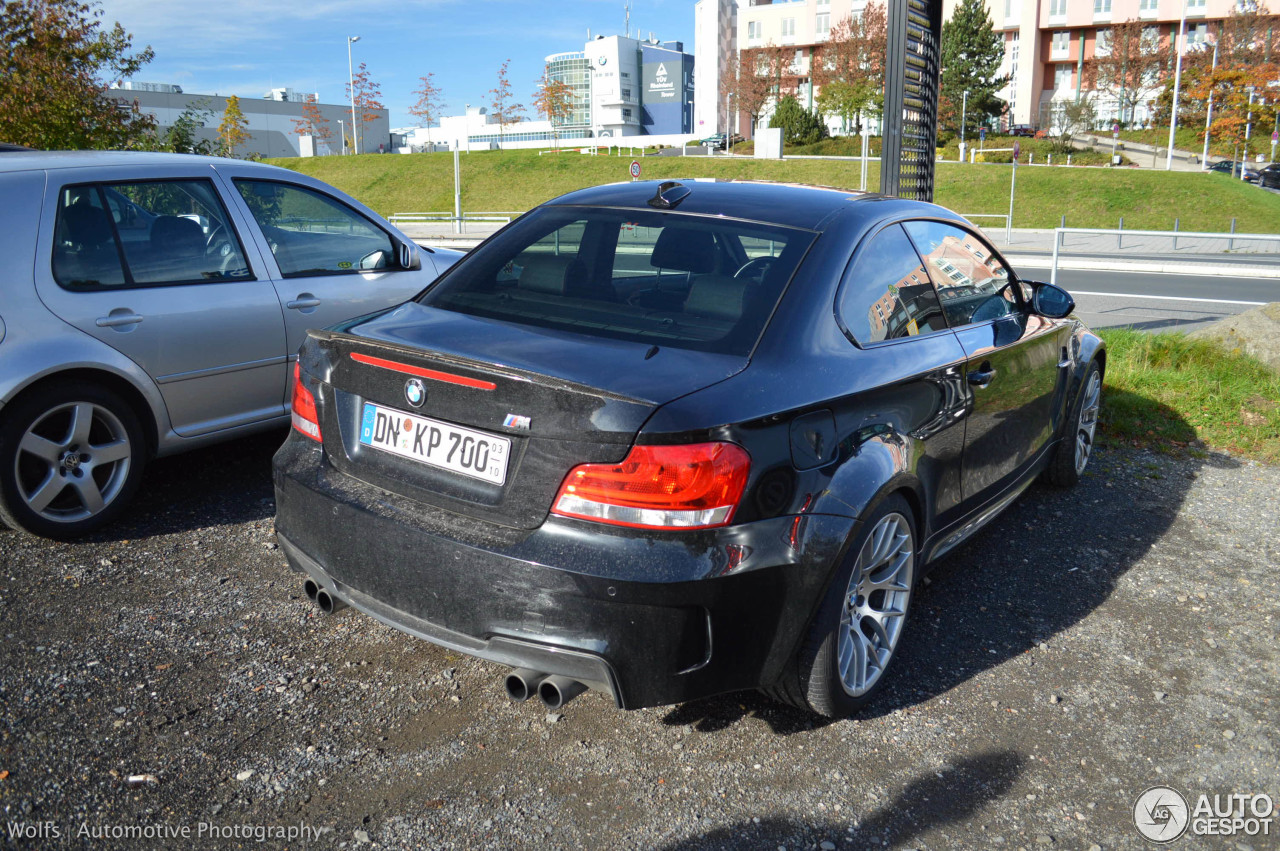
313, 234
887, 294
971, 281
85, 255
168, 232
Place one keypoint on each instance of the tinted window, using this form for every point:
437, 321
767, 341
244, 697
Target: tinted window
887, 294
313, 234
664, 278
970, 279
168, 231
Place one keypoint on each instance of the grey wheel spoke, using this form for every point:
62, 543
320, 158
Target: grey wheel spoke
89, 494
885, 565
81, 424
107, 453
46, 492
44, 449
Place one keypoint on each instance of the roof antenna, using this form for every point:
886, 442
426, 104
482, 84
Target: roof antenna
627, 7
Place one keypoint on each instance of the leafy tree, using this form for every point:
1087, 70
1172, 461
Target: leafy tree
312, 123
233, 130
554, 100
799, 125
849, 67
56, 63
1130, 65
367, 102
971, 55
756, 77
181, 137
430, 103
507, 110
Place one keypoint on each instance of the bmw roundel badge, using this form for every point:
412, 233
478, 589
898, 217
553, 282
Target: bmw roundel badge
414, 392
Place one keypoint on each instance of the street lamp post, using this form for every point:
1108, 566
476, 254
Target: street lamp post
964, 110
1177, 85
1208, 118
1248, 127
342, 134
351, 87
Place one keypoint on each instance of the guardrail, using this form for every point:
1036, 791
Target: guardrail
1120, 233
1008, 222
459, 221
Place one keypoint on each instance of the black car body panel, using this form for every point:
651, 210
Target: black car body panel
957, 421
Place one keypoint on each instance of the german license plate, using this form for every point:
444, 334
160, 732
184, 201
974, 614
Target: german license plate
438, 444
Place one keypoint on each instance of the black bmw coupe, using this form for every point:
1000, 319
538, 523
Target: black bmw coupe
668, 440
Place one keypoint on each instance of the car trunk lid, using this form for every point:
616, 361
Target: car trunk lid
559, 399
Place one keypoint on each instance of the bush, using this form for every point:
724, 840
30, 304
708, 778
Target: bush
799, 125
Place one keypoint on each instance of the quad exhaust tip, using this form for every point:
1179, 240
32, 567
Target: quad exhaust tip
553, 690
522, 683
556, 691
325, 600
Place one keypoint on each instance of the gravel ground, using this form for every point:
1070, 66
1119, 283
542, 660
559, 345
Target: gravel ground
1086, 646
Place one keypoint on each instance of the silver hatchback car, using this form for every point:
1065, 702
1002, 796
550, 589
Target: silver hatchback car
154, 303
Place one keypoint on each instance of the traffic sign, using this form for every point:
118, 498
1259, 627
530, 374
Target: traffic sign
635, 169
1115, 131
1275, 136
1017, 150
982, 134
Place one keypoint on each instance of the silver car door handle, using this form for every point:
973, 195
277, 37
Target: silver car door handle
116, 320
303, 302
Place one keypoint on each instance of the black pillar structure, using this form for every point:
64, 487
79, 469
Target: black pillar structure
911, 83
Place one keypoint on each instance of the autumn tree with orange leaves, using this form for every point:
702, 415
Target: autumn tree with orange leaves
429, 104
312, 123
367, 96
848, 68
504, 107
57, 60
554, 100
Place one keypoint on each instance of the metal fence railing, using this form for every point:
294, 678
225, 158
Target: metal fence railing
1228, 239
1008, 231
459, 221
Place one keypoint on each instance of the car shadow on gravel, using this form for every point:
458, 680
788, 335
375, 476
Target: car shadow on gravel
1039, 568
932, 800
220, 485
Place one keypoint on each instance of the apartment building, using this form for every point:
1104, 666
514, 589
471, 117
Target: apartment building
1046, 43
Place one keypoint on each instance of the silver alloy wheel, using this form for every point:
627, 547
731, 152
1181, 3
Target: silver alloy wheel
72, 461
1087, 426
875, 604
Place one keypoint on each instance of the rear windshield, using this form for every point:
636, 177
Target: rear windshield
692, 282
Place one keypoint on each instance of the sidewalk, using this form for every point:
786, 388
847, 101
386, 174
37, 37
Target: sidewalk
1034, 247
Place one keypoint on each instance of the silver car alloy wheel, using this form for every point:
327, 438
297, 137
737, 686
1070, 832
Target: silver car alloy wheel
1087, 426
875, 604
72, 461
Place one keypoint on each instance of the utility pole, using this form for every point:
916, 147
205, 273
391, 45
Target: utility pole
351, 81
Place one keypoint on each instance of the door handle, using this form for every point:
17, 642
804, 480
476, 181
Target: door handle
982, 377
118, 318
304, 301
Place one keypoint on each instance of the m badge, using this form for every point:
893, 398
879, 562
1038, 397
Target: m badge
514, 421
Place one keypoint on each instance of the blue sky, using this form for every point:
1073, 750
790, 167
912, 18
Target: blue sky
246, 47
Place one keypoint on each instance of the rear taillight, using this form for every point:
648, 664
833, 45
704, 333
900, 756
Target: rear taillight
695, 486
305, 418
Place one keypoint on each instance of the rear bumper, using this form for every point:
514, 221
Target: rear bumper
651, 619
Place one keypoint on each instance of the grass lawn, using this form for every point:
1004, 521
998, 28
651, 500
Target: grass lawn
1089, 197
1165, 391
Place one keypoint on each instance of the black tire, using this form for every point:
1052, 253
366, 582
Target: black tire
1079, 432
43, 488
815, 682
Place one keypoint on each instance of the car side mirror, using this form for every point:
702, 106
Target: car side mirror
407, 258
1051, 300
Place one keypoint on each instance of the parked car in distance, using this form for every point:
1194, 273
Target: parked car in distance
154, 302
1269, 177
1233, 168
1025, 130
668, 440
717, 140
